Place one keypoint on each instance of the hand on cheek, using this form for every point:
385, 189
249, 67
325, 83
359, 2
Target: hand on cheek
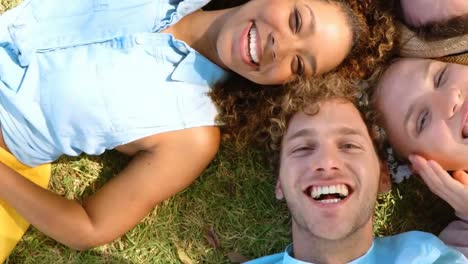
453, 190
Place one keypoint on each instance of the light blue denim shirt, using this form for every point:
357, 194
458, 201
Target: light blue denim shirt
407, 248
90, 75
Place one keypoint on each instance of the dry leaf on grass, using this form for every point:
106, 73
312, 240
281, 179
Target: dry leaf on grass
212, 237
183, 257
236, 257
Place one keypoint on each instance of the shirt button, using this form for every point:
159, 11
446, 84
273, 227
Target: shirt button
139, 39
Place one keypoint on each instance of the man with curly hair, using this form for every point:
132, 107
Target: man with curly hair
435, 29
330, 174
436, 16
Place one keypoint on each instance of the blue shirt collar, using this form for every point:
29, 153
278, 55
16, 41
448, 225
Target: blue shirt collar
194, 68
288, 259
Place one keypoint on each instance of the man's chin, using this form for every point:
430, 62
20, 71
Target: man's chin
326, 230
333, 233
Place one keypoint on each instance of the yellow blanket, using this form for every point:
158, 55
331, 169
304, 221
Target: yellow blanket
12, 225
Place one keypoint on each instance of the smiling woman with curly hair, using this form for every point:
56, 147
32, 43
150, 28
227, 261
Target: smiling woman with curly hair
246, 108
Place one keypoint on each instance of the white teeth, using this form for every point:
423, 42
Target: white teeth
329, 201
325, 189
253, 44
341, 189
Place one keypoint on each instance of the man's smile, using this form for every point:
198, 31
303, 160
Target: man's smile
328, 194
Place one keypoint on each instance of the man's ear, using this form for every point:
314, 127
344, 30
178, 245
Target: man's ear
384, 183
279, 191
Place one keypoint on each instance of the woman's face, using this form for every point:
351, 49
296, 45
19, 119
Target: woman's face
425, 110
272, 41
420, 12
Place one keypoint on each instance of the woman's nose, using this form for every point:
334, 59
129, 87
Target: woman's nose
449, 102
269, 55
277, 47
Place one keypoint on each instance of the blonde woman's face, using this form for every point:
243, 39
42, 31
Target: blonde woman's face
425, 110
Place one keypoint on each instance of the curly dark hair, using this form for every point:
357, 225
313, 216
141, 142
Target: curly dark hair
246, 108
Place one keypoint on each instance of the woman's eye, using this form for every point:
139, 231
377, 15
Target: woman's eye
422, 122
298, 67
295, 21
298, 20
440, 77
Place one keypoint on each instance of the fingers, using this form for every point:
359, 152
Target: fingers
461, 176
435, 176
421, 167
441, 183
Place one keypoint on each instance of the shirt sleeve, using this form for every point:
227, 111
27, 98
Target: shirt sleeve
456, 234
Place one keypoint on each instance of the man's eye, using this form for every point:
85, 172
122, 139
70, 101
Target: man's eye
422, 121
350, 146
303, 149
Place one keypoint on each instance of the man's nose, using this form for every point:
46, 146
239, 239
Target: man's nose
448, 103
326, 159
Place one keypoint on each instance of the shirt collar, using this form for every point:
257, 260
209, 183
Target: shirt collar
366, 258
194, 68
189, 6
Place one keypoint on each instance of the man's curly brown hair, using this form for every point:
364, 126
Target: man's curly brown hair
319, 90
245, 107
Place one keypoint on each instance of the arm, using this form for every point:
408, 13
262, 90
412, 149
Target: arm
163, 165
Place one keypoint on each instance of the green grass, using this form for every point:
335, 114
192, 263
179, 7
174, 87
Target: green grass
234, 197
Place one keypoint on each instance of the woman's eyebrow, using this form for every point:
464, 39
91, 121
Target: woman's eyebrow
427, 70
313, 64
312, 59
408, 115
312, 18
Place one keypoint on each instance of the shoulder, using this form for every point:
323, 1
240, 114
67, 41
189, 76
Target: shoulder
411, 238
418, 246
271, 259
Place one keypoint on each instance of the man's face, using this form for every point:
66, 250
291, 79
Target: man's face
329, 171
421, 12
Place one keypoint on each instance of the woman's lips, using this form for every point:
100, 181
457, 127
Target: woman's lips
244, 49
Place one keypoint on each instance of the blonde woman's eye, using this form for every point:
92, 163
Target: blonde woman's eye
422, 121
440, 77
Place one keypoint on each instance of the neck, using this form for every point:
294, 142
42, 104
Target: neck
200, 31
310, 248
